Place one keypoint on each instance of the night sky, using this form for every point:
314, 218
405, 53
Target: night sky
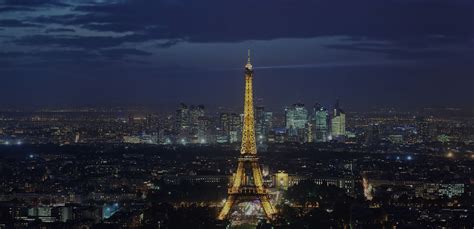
402, 53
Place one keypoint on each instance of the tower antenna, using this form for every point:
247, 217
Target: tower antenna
248, 54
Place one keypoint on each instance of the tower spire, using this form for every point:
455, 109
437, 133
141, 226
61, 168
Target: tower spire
248, 66
248, 54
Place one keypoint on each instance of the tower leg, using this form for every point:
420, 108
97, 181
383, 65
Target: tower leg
267, 207
239, 178
227, 206
257, 176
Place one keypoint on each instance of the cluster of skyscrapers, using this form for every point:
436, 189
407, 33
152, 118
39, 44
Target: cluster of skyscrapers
318, 126
191, 124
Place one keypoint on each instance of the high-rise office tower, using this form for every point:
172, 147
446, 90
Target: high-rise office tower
268, 122
263, 124
338, 122
182, 118
259, 123
224, 122
320, 123
309, 132
230, 124
296, 118
195, 114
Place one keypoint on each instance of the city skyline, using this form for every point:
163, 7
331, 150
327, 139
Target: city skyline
76, 53
213, 114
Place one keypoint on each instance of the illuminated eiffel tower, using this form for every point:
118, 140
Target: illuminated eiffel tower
248, 187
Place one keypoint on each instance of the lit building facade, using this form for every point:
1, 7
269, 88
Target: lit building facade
263, 124
230, 126
296, 118
281, 180
182, 118
320, 123
338, 122
260, 123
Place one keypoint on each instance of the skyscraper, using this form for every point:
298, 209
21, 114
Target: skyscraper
259, 123
309, 132
338, 122
188, 122
320, 123
182, 119
268, 122
296, 118
231, 126
195, 114
263, 123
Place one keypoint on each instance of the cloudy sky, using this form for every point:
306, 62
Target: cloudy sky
402, 53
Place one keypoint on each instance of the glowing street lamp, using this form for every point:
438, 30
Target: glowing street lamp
450, 155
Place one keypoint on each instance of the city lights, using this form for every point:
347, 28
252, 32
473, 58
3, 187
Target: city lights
155, 114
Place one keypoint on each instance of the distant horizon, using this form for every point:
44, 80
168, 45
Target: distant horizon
170, 108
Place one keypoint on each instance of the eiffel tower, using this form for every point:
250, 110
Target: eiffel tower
248, 187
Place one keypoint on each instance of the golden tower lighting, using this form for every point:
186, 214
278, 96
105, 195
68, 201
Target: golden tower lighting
247, 187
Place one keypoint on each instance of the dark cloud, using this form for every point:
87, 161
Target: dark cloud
14, 8
121, 53
4, 55
72, 56
59, 30
169, 43
397, 51
217, 21
33, 3
64, 55
16, 23
87, 42
411, 22
115, 27
104, 39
